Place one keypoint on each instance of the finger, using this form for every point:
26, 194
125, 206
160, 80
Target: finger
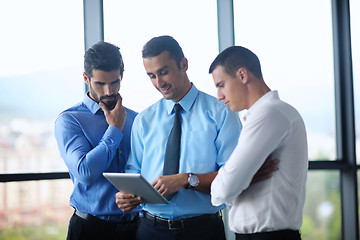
155, 182
262, 177
123, 195
267, 171
104, 107
128, 203
159, 187
270, 163
126, 208
269, 158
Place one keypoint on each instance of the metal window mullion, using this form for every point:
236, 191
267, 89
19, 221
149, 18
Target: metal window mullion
20, 177
93, 23
345, 124
225, 18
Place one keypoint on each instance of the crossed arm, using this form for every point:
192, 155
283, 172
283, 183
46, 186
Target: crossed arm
173, 183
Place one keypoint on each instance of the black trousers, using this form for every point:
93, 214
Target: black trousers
208, 230
275, 235
95, 229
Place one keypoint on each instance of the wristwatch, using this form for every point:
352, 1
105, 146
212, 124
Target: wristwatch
193, 181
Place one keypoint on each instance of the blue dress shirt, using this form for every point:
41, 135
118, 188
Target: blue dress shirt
209, 134
89, 147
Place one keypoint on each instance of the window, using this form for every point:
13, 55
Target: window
296, 57
294, 44
41, 75
130, 26
355, 40
322, 210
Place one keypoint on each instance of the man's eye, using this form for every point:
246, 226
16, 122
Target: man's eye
163, 73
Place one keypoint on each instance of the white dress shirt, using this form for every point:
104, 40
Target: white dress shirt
271, 126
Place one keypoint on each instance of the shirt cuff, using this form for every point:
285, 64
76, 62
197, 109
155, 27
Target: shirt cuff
114, 133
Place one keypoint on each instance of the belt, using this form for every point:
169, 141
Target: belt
91, 218
181, 223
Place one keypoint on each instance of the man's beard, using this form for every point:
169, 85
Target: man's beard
109, 104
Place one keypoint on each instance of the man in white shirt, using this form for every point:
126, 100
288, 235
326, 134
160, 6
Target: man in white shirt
270, 209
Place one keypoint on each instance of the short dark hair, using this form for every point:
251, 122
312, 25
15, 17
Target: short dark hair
103, 56
155, 46
235, 57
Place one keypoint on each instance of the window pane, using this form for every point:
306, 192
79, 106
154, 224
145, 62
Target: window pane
355, 42
35, 209
130, 24
41, 62
322, 210
294, 44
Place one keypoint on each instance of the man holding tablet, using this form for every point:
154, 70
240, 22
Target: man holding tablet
208, 134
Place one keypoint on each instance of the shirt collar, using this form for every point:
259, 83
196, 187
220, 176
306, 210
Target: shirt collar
186, 102
91, 104
268, 96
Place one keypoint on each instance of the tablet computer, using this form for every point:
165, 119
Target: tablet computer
136, 184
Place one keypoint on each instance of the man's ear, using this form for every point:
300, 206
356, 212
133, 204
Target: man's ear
86, 78
242, 74
184, 64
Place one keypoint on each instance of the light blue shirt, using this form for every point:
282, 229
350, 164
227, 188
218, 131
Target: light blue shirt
209, 134
89, 147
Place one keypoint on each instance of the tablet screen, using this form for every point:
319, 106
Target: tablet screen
136, 184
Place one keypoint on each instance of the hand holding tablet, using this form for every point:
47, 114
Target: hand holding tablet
136, 184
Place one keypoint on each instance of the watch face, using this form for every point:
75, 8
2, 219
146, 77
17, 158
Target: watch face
194, 181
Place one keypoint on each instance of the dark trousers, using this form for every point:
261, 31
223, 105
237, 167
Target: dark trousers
275, 235
95, 229
213, 229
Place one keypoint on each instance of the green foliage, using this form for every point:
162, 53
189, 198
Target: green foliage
44, 232
322, 211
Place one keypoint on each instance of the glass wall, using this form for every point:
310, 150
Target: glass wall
294, 44
355, 42
130, 27
35, 209
40, 75
322, 210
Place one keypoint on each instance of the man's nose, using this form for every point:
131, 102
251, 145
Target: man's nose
220, 96
107, 90
159, 82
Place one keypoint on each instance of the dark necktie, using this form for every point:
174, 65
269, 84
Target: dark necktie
172, 152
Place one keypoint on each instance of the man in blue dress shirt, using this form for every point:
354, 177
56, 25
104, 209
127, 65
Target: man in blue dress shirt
94, 137
209, 133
